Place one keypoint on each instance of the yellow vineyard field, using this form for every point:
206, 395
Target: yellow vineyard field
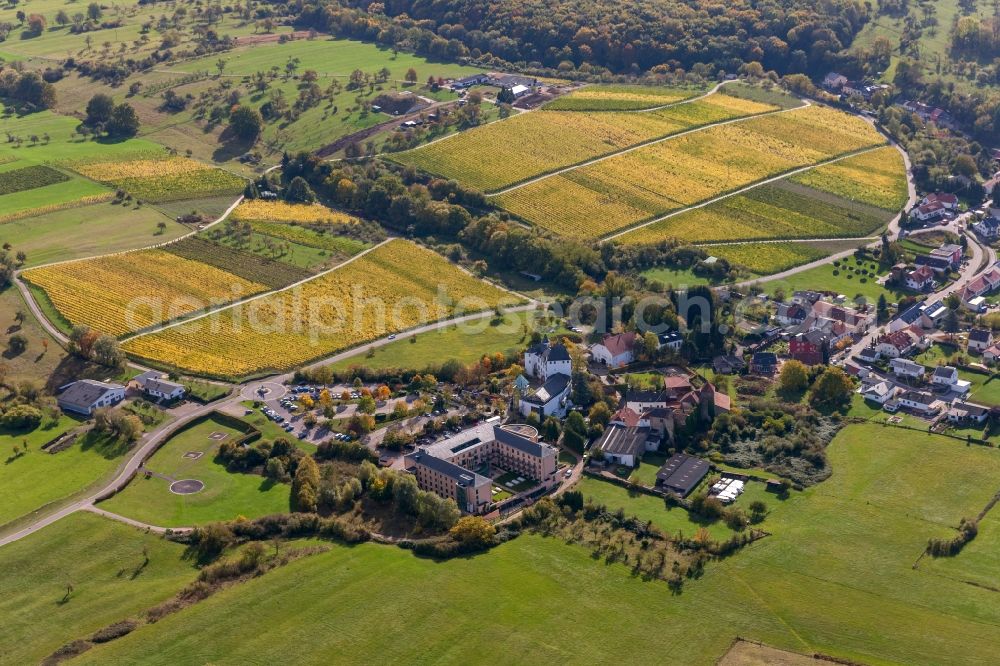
610, 97
257, 210
395, 287
766, 258
122, 293
503, 153
630, 188
877, 178
110, 172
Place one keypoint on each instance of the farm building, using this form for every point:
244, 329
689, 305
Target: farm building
681, 474
86, 395
622, 445
615, 351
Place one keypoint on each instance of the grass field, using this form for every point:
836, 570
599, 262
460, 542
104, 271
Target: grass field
822, 277
647, 507
37, 478
504, 153
86, 231
37, 362
224, 497
465, 344
598, 199
103, 561
395, 287
851, 541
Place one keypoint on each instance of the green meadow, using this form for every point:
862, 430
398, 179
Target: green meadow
840, 574
225, 496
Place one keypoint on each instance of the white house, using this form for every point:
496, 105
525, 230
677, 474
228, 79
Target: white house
550, 399
991, 353
155, 384
672, 340
86, 395
545, 360
967, 412
980, 339
920, 401
879, 393
947, 375
615, 351
904, 367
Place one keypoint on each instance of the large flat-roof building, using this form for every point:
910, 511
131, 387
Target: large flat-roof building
681, 473
481, 448
471, 491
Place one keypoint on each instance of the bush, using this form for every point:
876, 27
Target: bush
22, 417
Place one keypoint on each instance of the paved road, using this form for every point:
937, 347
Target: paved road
142, 451
37, 311
892, 230
969, 272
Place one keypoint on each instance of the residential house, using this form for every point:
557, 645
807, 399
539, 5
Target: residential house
728, 364
790, 314
949, 201
622, 445
904, 367
806, 297
545, 360
991, 353
549, 399
156, 385
929, 212
951, 252
764, 363
640, 401
672, 340
869, 355
921, 402
920, 279
86, 395
899, 343
988, 228
616, 351
940, 265
984, 284
967, 413
980, 339
834, 81
878, 392
811, 347
947, 376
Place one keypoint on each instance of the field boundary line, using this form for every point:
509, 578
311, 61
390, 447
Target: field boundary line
254, 297
760, 183
784, 240
645, 144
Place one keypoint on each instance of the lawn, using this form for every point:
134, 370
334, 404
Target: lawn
516, 486
86, 231
645, 473
42, 355
822, 277
646, 507
102, 560
33, 480
225, 495
675, 277
467, 344
836, 576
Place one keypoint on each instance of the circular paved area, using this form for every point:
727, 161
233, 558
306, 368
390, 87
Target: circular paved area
186, 486
263, 391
